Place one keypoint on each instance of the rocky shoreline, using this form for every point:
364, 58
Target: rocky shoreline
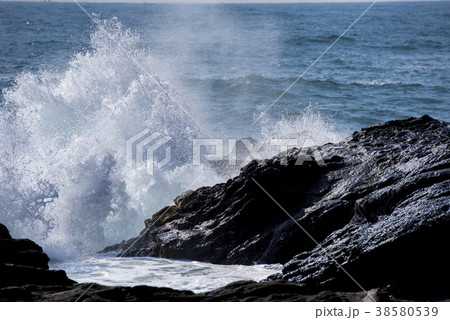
25, 276
376, 204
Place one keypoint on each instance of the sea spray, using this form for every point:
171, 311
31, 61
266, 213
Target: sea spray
308, 128
64, 178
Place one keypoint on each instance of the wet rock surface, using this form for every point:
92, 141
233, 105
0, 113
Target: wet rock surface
376, 203
398, 236
396, 172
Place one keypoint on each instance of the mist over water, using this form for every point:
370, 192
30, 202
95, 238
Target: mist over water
64, 121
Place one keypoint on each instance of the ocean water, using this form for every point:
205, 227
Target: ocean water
182, 275
74, 90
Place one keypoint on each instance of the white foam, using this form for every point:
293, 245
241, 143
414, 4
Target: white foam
64, 180
309, 128
176, 274
63, 132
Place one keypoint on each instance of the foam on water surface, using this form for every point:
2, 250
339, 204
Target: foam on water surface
176, 274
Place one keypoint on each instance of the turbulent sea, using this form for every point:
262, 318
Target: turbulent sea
75, 88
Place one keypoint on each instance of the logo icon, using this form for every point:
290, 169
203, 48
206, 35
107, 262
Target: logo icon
141, 149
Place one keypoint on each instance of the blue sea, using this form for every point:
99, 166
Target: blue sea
77, 85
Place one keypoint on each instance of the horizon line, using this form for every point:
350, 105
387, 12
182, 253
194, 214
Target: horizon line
218, 1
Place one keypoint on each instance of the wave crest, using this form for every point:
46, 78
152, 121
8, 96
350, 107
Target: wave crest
64, 179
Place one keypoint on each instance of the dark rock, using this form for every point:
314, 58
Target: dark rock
399, 232
23, 252
377, 203
287, 291
234, 292
4, 233
14, 275
396, 171
405, 251
23, 262
92, 292
27, 283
